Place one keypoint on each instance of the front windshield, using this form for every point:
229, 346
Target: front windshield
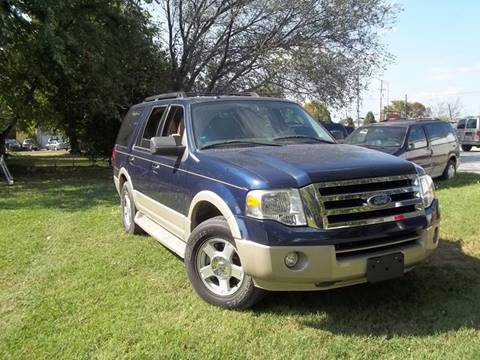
233, 123
378, 136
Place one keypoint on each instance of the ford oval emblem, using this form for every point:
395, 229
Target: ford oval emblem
379, 200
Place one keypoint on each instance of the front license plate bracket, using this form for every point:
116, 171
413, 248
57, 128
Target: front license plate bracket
385, 267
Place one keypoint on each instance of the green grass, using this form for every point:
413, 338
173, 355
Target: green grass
73, 285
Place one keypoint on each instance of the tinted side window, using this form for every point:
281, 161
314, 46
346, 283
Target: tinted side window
174, 124
128, 126
472, 124
417, 138
436, 135
449, 132
461, 123
151, 127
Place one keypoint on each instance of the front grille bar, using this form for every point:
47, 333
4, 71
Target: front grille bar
326, 211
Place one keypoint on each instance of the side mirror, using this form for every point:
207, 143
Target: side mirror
166, 145
411, 146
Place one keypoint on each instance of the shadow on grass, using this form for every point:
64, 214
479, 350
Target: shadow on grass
461, 180
438, 296
67, 189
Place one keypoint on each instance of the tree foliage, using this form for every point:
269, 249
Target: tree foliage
369, 118
302, 48
84, 61
348, 121
318, 111
411, 110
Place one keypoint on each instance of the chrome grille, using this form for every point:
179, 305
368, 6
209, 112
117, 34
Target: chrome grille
346, 203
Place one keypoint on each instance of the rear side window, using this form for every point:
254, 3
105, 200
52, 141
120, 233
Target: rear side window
128, 126
449, 132
472, 124
417, 138
151, 127
461, 123
436, 133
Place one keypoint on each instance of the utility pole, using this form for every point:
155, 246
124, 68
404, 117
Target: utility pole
406, 108
381, 98
450, 112
358, 101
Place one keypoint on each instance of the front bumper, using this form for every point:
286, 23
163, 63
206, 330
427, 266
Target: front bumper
321, 268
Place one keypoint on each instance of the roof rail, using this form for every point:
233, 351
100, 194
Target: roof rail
183, 94
171, 95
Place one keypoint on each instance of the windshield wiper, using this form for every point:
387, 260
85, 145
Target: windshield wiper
302, 137
240, 142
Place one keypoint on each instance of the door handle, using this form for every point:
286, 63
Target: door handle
155, 166
131, 158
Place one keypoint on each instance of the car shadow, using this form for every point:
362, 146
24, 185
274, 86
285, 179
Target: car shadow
461, 180
438, 296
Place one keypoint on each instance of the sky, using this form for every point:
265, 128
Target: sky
437, 57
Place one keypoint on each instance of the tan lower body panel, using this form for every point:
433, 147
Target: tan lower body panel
319, 268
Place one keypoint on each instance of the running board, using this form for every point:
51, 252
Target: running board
163, 236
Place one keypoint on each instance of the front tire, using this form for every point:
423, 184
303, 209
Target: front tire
214, 267
129, 211
466, 147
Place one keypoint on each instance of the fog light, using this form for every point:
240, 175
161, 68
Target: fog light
291, 259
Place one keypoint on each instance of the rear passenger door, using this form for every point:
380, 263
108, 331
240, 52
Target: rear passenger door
139, 163
418, 149
440, 147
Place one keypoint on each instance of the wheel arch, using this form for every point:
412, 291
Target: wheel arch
123, 177
214, 205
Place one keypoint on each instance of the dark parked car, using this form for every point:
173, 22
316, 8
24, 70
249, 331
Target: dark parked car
13, 145
431, 144
338, 131
255, 195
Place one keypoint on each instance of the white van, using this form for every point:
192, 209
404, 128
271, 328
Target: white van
468, 132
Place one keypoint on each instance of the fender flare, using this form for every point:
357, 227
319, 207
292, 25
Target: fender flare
221, 205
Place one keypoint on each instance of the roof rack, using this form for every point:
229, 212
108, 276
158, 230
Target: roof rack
170, 95
183, 94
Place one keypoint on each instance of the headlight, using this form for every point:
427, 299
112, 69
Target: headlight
284, 206
427, 190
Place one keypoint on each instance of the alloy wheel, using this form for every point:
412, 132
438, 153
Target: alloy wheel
219, 267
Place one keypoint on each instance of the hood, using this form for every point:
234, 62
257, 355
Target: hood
298, 165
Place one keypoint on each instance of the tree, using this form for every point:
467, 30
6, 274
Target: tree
412, 110
369, 118
84, 61
448, 111
318, 111
348, 121
304, 48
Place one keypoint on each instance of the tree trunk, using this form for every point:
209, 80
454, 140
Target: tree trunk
71, 132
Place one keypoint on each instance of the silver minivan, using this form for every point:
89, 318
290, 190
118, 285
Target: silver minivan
468, 132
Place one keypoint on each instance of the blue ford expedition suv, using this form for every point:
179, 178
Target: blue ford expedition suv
255, 195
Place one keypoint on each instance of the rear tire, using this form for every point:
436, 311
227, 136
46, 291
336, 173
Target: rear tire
214, 267
466, 147
129, 211
450, 170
